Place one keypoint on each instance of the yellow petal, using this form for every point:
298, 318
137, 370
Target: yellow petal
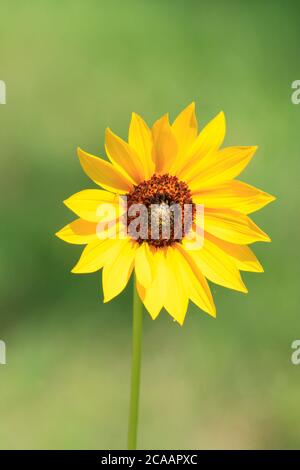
94, 204
242, 255
143, 265
140, 139
216, 266
233, 227
124, 157
154, 295
176, 299
194, 282
94, 256
208, 141
165, 146
233, 195
185, 130
141, 291
219, 167
78, 232
118, 268
104, 174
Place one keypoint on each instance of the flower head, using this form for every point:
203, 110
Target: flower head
171, 210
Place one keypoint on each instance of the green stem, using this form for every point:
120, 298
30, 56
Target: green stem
135, 369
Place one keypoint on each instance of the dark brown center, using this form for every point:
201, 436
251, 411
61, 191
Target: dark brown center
160, 210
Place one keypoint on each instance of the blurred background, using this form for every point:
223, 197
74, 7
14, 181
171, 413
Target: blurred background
72, 68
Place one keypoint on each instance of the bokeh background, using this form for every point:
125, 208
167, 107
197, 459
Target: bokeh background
71, 69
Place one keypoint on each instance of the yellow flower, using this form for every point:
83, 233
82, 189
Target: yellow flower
159, 167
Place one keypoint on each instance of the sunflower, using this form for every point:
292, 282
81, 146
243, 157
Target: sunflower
159, 167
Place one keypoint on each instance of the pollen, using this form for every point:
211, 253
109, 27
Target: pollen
159, 210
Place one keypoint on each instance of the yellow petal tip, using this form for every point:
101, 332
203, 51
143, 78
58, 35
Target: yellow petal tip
212, 313
66, 202
75, 270
266, 239
165, 117
221, 115
272, 198
58, 234
179, 322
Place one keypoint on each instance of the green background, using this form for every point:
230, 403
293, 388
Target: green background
71, 69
